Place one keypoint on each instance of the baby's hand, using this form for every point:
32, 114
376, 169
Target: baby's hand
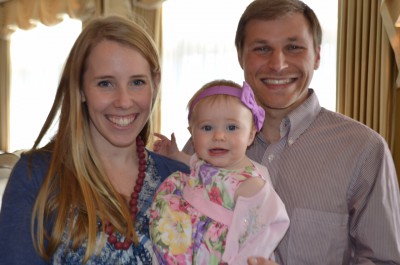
165, 146
169, 148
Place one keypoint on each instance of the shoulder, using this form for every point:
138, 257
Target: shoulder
254, 185
250, 187
341, 120
346, 127
165, 164
353, 140
32, 165
26, 178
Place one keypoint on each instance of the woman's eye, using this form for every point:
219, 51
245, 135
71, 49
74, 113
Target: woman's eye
104, 83
138, 82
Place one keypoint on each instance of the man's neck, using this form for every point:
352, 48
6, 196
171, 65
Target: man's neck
272, 125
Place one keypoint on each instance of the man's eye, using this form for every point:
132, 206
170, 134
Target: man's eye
261, 49
294, 47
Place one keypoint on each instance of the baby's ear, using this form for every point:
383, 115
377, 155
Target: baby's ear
252, 135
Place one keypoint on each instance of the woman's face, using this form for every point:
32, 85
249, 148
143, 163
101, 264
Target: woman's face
118, 90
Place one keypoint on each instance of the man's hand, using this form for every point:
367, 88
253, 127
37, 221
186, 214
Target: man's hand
259, 261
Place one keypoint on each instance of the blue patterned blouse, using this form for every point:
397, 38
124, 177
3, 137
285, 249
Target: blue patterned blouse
16, 245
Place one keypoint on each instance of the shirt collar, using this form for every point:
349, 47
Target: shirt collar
302, 117
297, 121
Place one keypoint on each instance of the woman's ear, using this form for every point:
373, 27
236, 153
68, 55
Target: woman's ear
83, 98
157, 83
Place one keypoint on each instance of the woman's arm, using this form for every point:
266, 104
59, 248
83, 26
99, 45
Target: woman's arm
16, 245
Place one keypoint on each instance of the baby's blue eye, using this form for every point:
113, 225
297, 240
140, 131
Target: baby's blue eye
206, 128
232, 127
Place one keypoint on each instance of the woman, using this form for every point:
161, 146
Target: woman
84, 198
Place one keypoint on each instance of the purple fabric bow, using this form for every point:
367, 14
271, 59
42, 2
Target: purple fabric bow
249, 101
245, 94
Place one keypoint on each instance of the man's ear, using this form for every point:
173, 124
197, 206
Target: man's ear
239, 55
317, 58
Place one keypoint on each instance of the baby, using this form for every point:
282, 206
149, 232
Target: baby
226, 209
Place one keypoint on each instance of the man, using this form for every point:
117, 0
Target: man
335, 175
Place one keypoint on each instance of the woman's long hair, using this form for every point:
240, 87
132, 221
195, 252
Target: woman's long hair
76, 192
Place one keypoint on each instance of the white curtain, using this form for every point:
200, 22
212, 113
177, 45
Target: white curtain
27, 14
199, 47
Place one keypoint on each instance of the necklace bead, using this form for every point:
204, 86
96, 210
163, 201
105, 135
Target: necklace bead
109, 229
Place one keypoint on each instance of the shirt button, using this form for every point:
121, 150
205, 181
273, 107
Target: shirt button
290, 142
270, 158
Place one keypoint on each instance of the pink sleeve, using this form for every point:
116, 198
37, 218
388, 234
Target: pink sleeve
259, 223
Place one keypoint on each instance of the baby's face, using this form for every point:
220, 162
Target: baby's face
221, 131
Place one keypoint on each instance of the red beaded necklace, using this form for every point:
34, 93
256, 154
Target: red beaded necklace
109, 229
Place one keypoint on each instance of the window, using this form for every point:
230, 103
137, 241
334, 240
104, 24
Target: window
198, 46
37, 59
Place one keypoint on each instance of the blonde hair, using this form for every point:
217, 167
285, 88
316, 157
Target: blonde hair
76, 190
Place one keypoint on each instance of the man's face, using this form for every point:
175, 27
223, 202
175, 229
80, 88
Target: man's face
279, 59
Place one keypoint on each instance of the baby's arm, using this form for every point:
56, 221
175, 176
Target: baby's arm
169, 148
259, 222
250, 187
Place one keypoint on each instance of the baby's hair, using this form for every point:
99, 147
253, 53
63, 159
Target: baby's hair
218, 82
227, 90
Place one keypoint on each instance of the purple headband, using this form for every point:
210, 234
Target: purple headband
245, 94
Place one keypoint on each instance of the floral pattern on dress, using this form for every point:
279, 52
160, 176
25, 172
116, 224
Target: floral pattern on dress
181, 234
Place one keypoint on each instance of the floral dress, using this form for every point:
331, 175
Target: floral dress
191, 217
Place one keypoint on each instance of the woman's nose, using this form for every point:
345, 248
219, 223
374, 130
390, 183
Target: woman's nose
123, 99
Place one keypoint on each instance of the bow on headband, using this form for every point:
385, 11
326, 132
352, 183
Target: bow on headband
245, 94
